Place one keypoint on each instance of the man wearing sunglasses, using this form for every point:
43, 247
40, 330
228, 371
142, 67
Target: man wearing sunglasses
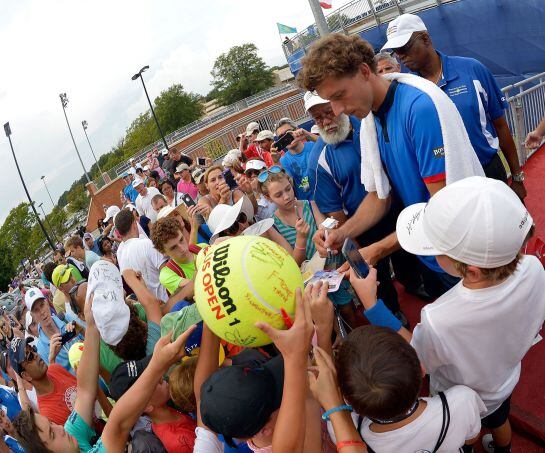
50, 330
55, 387
472, 88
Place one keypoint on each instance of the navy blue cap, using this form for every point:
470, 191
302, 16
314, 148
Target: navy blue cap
17, 350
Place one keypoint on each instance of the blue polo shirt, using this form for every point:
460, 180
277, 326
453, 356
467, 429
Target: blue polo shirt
43, 345
338, 175
411, 146
312, 165
296, 166
478, 98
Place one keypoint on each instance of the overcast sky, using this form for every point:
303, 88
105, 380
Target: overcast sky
90, 50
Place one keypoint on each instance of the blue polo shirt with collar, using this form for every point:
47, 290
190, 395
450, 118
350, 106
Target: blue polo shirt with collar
43, 345
338, 174
411, 146
478, 98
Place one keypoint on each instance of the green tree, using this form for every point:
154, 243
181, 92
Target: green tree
140, 134
175, 108
7, 269
17, 234
240, 73
77, 199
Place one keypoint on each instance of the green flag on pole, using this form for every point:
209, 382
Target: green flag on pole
285, 30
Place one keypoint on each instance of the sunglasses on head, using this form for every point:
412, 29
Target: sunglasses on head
235, 227
73, 293
31, 354
264, 175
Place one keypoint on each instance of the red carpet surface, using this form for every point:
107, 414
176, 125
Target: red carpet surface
528, 402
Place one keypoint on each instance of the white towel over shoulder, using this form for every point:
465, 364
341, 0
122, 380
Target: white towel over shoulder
460, 158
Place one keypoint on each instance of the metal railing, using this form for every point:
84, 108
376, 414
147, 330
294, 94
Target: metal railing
526, 101
356, 16
195, 126
216, 144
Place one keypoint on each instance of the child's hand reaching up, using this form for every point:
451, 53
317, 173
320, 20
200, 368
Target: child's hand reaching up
323, 381
293, 343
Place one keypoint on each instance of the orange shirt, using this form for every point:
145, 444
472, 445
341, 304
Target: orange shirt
58, 404
177, 436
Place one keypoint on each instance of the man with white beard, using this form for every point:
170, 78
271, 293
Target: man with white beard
338, 191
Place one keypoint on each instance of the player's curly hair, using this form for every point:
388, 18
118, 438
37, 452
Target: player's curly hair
335, 55
164, 230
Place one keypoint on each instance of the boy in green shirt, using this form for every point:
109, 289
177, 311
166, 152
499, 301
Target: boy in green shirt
177, 274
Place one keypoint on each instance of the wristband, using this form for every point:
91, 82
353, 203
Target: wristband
349, 443
381, 316
299, 248
344, 407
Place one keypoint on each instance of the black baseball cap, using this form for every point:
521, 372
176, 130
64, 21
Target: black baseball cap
125, 375
16, 351
238, 401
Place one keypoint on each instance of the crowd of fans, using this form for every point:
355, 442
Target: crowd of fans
113, 352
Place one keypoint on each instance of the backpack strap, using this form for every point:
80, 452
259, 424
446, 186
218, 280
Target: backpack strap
171, 264
360, 422
445, 423
194, 248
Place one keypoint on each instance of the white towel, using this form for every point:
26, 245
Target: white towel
460, 158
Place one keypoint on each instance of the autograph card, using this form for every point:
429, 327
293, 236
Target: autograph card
333, 278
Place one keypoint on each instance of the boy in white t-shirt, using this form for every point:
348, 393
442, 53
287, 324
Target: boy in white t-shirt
477, 333
380, 376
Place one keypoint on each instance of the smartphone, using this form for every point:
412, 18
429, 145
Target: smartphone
67, 336
283, 141
201, 161
353, 256
230, 179
188, 201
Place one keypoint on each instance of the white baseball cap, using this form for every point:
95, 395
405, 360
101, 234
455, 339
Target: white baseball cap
231, 158
132, 171
478, 221
264, 135
255, 164
111, 212
223, 215
311, 99
137, 182
253, 126
31, 296
110, 311
401, 29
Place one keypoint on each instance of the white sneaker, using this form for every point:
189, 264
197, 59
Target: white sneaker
488, 443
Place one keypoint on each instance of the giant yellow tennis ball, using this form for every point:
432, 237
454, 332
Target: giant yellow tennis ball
243, 280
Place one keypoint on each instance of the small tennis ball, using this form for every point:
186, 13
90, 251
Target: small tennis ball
244, 280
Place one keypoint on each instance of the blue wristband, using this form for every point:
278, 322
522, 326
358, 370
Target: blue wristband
344, 407
381, 316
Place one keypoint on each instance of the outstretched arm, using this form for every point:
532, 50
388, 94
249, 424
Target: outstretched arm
131, 405
88, 368
150, 303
